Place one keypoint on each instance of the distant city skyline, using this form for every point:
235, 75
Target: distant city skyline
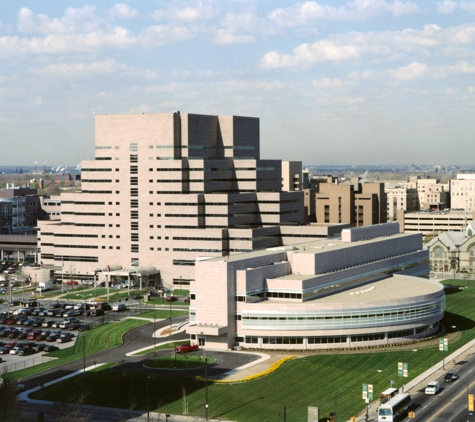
348, 83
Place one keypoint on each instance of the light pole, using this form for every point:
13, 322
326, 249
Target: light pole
368, 393
84, 304
171, 319
285, 412
402, 369
148, 407
206, 375
154, 331
84, 354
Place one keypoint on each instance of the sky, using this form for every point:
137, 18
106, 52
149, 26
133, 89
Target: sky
357, 82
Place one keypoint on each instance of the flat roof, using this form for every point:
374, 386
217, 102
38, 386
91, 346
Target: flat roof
310, 247
396, 287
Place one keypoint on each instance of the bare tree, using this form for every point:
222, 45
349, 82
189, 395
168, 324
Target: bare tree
73, 410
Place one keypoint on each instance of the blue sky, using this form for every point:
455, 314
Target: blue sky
358, 82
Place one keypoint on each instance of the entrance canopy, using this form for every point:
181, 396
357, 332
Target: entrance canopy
119, 271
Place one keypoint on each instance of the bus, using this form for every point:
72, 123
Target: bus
395, 408
387, 395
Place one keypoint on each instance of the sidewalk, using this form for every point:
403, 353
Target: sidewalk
416, 385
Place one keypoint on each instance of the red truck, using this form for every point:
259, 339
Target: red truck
185, 348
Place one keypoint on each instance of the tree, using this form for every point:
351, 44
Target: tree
72, 410
10, 409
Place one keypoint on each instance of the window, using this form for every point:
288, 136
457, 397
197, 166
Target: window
438, 252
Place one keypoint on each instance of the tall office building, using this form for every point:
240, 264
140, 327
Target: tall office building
165, 190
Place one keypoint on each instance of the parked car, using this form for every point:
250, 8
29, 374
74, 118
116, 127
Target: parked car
65, 337
104, 306
119, 307
50, 348
33, 334
450, 377
432, 388
187, 300
185, 348
172, 298
96, 312
25, 351
43, 335
38, 322
23, 334
73, 326
53, 336
84, 327
47, 324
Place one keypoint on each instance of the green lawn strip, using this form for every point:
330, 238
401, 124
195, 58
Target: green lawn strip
161, 314
314, 380
100, 338
182, 361
163, 301
181, 292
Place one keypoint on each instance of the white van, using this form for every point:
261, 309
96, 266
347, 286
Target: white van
433, 387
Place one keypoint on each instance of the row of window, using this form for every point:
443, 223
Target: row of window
356, 338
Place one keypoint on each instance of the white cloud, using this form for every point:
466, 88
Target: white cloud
358, 10
328, 83
445, 7
471, 89
67, 43
165, 34
122, 11
238, 28
73, 20
468, 5
367, 74
305, 54
186, 11
85, 69
432, 40
463, 68
412, 71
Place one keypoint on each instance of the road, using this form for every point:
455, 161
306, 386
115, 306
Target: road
450, 404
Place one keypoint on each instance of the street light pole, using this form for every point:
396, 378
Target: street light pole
84, 354
206, 375
154, 330
148, 407
285, 412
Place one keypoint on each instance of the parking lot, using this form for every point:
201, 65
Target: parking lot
48, 324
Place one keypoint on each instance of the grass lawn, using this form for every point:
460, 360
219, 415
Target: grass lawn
100, 338
314, 380
181, 292
163, 301
161, 314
